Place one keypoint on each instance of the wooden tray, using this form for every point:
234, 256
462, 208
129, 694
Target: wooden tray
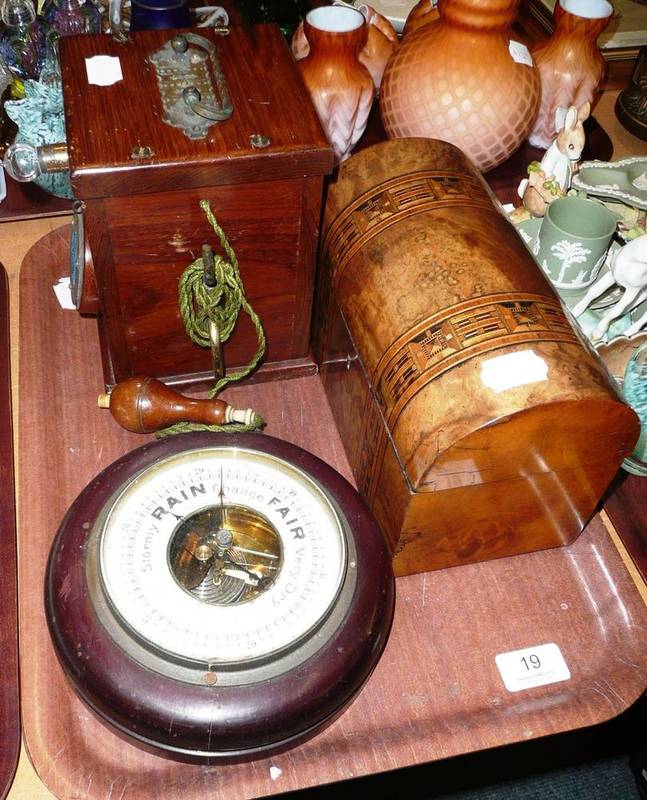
9, 707
436, 691
627, 510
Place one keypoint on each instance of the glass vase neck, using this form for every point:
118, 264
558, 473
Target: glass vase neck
336, 27
567, 23
587, 9
479, 14
69, 5
335, 19
17, 13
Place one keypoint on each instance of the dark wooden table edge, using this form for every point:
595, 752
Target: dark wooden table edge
28, 201
9, 696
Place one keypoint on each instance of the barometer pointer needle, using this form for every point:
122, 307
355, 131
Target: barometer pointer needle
242, 574
221, 494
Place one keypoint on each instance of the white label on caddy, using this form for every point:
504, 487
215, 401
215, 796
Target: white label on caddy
532, 666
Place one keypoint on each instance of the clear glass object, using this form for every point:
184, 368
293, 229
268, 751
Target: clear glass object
634, 389
23, 43
69, 17
40, 120
21, 162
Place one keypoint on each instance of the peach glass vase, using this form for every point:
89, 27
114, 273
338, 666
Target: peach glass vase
424, 12
382, 39
341, 87
463, 80
569, 62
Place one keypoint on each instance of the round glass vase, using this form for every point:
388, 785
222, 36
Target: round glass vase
23, 40
341, 87
465, 80
569, 63
634, 390
69, 17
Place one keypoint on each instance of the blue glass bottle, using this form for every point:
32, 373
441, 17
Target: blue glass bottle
147, 15
634, 389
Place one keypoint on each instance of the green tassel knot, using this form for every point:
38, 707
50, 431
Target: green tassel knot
200, 305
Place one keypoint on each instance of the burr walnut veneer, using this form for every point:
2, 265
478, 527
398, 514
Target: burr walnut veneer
477, 422
143, 223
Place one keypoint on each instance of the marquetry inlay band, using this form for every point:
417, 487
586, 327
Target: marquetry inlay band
370, 453
464, 331
394, 200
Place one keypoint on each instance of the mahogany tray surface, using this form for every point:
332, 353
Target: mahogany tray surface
436, 691
627, 510
9, 705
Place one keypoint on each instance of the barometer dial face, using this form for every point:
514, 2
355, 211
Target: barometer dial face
221, 555
233, 584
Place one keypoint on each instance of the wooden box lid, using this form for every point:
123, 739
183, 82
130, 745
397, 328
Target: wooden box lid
105, 123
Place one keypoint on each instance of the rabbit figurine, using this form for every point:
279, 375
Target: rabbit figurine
551, 177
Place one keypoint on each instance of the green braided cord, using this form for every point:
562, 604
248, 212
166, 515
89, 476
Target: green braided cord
231, 427
199, 305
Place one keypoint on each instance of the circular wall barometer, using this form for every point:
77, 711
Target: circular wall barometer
218, 596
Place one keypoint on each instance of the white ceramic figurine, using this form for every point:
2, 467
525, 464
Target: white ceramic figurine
627, 268
550, 178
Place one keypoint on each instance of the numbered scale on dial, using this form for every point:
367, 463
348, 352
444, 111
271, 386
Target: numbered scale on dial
218, 596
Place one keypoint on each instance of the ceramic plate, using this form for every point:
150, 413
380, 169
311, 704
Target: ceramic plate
617, 352
624, 180
631, 464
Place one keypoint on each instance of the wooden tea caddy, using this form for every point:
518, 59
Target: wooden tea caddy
139, 182
478, 422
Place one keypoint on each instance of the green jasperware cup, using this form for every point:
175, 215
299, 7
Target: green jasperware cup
573, 240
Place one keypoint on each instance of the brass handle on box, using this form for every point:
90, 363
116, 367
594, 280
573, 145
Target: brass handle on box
24, 162
192, 98
191, 95
191, 83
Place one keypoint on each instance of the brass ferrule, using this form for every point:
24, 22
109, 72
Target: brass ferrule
53, 157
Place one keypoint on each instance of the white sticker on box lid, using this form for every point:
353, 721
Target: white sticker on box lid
520, 53
63, 293
513, 369
103, 70
532, 666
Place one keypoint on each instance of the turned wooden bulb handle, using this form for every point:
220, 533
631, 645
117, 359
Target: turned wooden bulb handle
143, 405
